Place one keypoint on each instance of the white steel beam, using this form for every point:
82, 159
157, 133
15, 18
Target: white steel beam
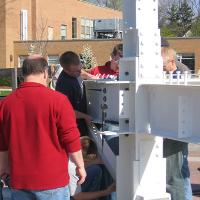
139, 155
145, 106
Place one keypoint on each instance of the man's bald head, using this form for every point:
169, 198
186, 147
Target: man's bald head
169, 59
34, 64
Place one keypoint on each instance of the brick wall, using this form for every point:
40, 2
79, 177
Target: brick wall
50, 13
60, 12
100, 48
10, 30
187, 45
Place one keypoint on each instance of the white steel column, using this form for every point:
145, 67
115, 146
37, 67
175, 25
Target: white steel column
140, 166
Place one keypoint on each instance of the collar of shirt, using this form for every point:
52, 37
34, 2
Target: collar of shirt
31, 84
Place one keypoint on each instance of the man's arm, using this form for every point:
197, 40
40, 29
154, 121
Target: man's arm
85, 75
182, 67
70, 137
68, 132
81, 115
69, 93
77, 159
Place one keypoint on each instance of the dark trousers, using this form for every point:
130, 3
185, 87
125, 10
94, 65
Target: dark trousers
82, 126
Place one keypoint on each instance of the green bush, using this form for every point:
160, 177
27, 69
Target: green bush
4, 93
6, 81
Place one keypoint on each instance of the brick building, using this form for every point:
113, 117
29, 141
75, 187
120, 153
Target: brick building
65, 23
187, 49
100, 48
22, 20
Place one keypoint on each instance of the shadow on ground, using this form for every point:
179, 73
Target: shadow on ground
196, 190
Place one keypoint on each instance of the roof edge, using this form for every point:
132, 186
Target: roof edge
104, 7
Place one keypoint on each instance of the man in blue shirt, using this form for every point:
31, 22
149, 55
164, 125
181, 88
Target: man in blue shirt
71, 84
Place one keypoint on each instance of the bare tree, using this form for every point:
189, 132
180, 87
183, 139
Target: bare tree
115, 4
42, 36
39, 45
195, 6
165, 5
99, 2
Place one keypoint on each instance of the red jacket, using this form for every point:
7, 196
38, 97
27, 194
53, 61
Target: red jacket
103, 71
38, 128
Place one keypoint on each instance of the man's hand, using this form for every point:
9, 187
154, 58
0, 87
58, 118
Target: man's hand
81, 173
86, 76
81, 115
77, 158
88, 119
94, 77
111, 188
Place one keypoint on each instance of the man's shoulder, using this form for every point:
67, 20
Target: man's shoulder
55, 94
100, 69
57, 99
66, 84
65, 79
182, 67
8, 98
48, 96
63, 76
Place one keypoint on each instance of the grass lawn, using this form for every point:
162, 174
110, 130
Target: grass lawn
4, 93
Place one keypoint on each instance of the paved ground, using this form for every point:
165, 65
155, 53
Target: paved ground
194, 162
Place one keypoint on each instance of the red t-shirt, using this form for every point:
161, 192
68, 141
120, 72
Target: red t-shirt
104, 71
38, 127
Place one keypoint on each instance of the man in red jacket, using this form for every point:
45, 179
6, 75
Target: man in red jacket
111, 68
39, 131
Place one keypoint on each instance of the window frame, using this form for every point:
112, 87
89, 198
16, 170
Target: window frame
63, 29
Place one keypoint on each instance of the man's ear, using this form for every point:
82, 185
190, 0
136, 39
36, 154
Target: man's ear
46, 73
173, 64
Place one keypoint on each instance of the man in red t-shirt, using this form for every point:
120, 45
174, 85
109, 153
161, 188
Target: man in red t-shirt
111, 68
38, 130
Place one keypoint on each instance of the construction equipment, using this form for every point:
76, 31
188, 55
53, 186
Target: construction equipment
108, 28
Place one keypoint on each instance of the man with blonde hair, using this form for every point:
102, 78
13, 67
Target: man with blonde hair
170, 62
169, 58
176, 152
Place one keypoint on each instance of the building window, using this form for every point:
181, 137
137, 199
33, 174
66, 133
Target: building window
23, 25
87, 31
21, 60
53, 59
50, 33
188, 59
63, 32
74, 27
